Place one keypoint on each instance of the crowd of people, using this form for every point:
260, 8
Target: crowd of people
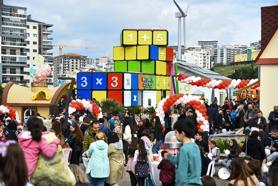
102, 150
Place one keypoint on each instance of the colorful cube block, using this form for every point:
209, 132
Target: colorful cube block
143, 52
160, 68
148, 67
84, 81
160, 37
159, 82
120, 66
168, 69
149, 82
127, 98
118, 53
134, 81
99, 81
149, 98
136, 97
127, 81
162, 54
158, 96
116, 95
84, 94
129, 37
169, 54
130, 53
140, 82
99, 95
145, 37
115, 81
153, 52
134, 66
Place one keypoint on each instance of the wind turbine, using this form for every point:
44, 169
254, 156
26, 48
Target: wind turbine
181, 15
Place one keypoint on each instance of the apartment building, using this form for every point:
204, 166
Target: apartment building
198, 56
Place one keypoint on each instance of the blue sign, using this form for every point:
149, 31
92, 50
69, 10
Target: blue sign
153, 52
84, 81
134, 98
134, 81
99, 81
84, 94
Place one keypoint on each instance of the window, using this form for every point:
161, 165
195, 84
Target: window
12, 51
12, 71
4, 70
28, 57
34, 42
28, 26
3, 51
34, 50
34, 27
28, 42
35, 35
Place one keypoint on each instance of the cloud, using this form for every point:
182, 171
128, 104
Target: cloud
99, 22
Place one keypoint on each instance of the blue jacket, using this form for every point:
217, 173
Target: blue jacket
188, 162
98, 166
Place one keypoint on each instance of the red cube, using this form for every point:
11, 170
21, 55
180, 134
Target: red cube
168, 68
169, 54
116, 95
115, 81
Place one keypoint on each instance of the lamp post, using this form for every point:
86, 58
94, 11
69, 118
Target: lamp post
69, 91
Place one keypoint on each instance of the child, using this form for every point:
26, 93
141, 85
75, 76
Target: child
214, 151
167, 170
188, 161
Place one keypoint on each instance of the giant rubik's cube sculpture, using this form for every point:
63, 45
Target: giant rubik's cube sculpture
142, 71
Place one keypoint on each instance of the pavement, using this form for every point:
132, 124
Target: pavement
125, 181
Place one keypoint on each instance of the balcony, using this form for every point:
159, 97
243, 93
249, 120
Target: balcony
14, 34
13, 14
10, 43
14, 63
13, 23
45, 31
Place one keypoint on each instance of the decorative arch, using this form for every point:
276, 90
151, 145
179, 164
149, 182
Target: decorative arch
85, 105
41, 95
193, 101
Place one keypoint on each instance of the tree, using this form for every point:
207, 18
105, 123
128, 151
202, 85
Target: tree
111, 106
247, 72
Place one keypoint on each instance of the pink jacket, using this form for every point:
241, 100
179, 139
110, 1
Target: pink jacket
32, 149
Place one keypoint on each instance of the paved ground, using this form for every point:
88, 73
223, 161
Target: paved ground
126, 182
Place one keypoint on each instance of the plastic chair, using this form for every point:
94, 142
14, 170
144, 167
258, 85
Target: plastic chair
67, 154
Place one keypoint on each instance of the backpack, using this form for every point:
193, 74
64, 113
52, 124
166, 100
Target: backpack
142, 169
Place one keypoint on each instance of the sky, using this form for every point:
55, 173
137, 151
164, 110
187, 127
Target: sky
98, 23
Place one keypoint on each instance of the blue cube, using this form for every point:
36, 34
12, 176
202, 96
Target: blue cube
154, 52
99, 81
84, 94
134, 81
84, 81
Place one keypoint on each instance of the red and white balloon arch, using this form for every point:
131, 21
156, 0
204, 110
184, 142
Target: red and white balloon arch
193, 101
85, 105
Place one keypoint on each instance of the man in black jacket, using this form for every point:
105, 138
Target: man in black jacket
273, 119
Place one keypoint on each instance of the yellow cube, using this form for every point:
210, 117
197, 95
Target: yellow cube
159, 82
118, 53
99, 95
168, 93
143, 52
160, 37
145, 37
162, 54
130, 53
160, 68
129, 37
166, 83
158, 96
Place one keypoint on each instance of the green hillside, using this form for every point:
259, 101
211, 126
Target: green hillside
229, 70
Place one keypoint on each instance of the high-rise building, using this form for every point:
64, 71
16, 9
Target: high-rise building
103, 64
198, 56
68, 65
226, 53
212, 47
39, 42
255, 45
13, 43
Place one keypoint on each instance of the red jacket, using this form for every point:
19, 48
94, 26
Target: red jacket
167, 171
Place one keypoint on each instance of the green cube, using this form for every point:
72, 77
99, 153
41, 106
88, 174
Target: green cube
120, 66
134, 66
148, 67
149, 82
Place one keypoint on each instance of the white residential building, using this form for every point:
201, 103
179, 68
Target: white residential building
103, 64
226, 53
39, 42
68, 65
198, 56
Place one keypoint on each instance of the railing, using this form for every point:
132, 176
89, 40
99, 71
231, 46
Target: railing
15, 54
13, 43
17, 34
13, 14
9, 23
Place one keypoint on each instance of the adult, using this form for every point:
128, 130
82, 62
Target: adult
129, 166
158, 135
90, 135
250, 114
85, 123
11, 130
129, 132
57, 129
255, 148
111, 121
241, 174
116, 159
273, 119
273, 173
75, 142
33, 144
98, 166
103, 128
259, 121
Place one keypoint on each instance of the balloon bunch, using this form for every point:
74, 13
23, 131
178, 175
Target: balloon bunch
218, 84
193, 101
85, 105
9, 112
